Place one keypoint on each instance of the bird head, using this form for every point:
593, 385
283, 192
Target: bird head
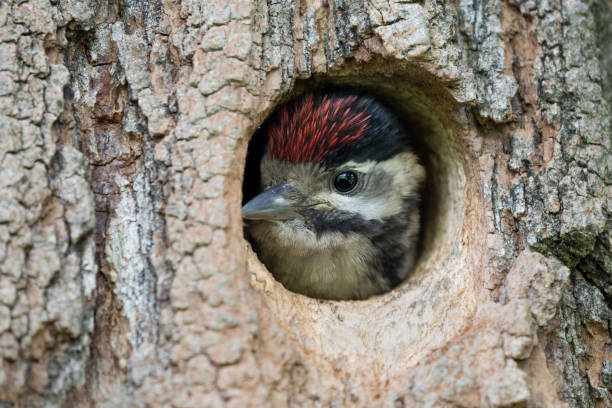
337, 174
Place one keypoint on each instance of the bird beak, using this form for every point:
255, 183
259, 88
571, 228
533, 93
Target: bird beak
271, 204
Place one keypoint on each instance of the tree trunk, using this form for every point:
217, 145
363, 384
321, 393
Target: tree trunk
125, 279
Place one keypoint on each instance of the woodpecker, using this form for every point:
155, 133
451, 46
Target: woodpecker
337, 216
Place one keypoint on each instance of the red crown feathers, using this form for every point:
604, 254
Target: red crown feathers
309, 130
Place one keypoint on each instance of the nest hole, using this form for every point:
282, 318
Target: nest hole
423, 118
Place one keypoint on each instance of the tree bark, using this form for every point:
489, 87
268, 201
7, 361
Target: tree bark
125, 279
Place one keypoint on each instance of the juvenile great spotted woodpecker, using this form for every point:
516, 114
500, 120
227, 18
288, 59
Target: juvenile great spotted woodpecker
337, 216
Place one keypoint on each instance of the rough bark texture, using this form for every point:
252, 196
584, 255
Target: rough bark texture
124, 276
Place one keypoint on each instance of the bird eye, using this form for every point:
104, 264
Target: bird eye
345, 182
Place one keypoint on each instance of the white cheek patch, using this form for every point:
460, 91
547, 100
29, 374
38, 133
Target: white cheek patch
388, 199
370, 208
